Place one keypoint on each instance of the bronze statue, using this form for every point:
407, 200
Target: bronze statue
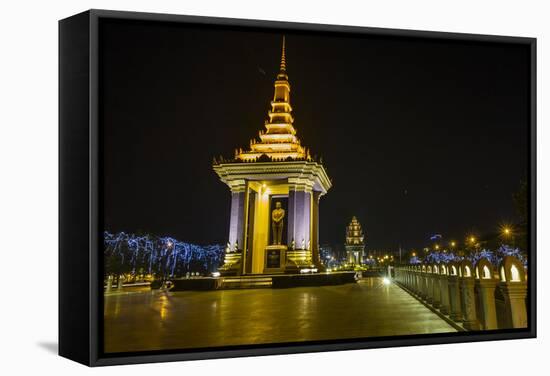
277, 223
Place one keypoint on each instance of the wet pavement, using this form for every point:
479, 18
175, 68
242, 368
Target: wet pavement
142, 320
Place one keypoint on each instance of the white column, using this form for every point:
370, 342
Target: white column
436, 287
237, 216
513, 286
444, 289
454, 293
299, 216
429, 285
468, 296
485, 286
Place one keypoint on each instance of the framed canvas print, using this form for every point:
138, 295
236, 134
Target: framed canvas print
238, 187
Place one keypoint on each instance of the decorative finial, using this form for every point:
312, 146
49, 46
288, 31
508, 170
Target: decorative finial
283, 61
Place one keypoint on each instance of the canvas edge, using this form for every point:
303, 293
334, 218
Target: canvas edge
96, 359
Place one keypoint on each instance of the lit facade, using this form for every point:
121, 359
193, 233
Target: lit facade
276, 169
355, 242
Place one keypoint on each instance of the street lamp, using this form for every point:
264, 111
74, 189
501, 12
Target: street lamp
471, 245
507, 233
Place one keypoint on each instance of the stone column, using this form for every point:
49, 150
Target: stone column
429, 285
513, 286
444, 289
233, 254
468, 296
423, 283
485, 286
514, 299
315, 229
299, 207
109, 283
486, 293
236, 221
436, 286
299, 225
416, 281
120, 281
454, 294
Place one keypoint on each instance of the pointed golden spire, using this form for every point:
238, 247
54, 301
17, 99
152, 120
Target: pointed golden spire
283, 60
278, 141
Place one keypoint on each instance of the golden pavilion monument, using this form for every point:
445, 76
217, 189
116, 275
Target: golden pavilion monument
355, 242
275, 190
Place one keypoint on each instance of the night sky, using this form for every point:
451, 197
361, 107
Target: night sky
419, 136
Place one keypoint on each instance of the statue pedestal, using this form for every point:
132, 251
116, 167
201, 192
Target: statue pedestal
275, 258
297, 259
232, 264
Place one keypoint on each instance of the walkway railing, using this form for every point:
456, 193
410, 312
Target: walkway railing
479, 297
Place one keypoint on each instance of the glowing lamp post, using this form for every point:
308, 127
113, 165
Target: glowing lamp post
508, 234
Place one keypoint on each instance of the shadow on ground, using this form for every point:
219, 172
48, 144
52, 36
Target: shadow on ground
50, 347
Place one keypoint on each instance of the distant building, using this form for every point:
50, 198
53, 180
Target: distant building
355, 242
326, 252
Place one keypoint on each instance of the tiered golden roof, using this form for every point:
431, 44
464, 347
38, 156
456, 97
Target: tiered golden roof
354, 233
278, 141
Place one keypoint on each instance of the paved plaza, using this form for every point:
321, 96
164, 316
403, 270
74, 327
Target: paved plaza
142, 320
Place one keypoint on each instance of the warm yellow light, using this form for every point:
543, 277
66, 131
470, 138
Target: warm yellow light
436, 246
278, 141
472, 239
453, 244
507, 231
414, 254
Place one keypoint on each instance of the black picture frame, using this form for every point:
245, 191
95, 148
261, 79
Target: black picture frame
80, 227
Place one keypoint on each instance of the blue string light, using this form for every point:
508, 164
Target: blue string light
160, 256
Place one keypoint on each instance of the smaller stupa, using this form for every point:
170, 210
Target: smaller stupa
355, 242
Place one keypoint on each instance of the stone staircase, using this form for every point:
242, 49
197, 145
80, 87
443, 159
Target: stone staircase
248, 282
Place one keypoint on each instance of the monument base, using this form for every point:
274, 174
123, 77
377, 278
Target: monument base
275, 281
231, 264
275, 259
298, 259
